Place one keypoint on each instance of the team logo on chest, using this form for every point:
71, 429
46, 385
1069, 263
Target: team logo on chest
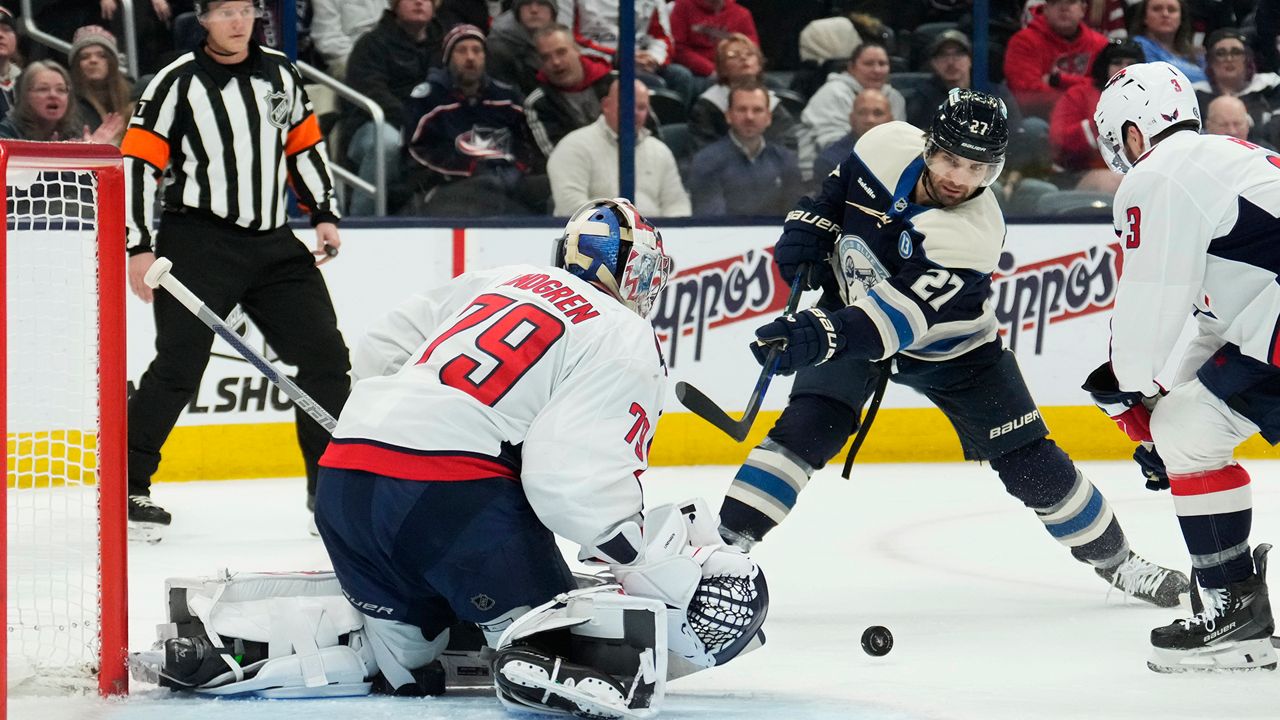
278, 109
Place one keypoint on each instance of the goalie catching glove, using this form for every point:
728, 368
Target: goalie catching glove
809, 337
684, 602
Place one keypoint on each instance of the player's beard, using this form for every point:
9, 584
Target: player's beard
935, 197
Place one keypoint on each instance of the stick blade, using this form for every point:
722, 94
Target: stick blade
705, 408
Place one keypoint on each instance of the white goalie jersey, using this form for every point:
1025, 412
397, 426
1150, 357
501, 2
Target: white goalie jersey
1197, 218
521, 372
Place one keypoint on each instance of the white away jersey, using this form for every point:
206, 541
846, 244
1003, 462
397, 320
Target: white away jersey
1197, 217
520, 372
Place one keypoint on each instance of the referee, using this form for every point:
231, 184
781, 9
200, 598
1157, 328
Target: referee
218, 133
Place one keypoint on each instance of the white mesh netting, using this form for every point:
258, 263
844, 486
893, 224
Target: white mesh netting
52, 617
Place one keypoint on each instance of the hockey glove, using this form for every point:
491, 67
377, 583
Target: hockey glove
810, 337
1129, 410
807, 239
1152, 467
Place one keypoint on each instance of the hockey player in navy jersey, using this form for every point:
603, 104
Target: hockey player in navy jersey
903, 238
1196, 215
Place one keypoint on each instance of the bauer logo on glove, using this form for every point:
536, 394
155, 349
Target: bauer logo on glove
810, 337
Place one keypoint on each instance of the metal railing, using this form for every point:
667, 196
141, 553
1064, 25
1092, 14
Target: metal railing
130, 35
378, 188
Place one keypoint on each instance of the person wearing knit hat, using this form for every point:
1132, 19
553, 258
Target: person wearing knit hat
467, 138
92, 35
513, 56
459, 34
103, 93
10, 67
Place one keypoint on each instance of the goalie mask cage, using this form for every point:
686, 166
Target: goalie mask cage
63, 351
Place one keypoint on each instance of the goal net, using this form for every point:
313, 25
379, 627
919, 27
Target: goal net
64, 391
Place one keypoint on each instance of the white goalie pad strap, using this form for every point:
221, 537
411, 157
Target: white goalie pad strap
399, 647
296, 614
290, 677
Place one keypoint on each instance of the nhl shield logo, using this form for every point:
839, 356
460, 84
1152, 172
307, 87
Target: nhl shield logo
482, 602
900, 205
278, 102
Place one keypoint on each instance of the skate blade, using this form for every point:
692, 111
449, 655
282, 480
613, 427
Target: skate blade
145, 532
1227, 657
145, 666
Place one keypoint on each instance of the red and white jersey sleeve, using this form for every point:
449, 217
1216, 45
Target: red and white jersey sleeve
1196, 218
522, 372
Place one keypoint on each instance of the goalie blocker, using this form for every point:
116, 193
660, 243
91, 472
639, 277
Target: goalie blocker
686, 603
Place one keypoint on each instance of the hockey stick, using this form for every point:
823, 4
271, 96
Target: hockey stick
159, 276
869, 417
705, 408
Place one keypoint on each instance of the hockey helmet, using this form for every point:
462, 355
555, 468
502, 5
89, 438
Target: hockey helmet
608, 242
974, 126
1153, 96
202, 7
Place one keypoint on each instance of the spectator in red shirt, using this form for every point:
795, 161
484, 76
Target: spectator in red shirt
1072, 132
698, 26
1050, 54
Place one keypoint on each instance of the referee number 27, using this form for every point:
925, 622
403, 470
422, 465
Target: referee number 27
519, 336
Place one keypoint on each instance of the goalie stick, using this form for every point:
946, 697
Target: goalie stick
706, 408
160, 276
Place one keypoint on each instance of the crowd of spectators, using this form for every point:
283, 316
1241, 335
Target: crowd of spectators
510, 107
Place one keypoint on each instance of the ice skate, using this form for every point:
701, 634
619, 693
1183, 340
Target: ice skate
529, 678
1231, 631
1145, 580
147, 520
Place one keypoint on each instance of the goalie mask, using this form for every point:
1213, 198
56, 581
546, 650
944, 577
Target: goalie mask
608, 242
1153, 97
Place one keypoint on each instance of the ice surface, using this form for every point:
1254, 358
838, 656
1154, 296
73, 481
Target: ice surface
992, 619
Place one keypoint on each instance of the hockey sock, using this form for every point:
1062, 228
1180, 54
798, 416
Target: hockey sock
764, 490
1215, 510
1073, 511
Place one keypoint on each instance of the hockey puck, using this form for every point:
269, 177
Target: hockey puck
877, 640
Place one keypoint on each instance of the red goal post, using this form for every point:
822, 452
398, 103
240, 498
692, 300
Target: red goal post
62, 347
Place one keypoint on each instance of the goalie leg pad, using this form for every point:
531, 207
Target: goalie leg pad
266, 634
593, 652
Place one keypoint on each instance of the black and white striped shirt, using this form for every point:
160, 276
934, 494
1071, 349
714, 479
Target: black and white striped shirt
225, 140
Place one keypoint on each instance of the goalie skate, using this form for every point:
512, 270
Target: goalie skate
537, 681
1231, 630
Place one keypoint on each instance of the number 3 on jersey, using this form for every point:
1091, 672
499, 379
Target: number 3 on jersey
1133, 236
517, 339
